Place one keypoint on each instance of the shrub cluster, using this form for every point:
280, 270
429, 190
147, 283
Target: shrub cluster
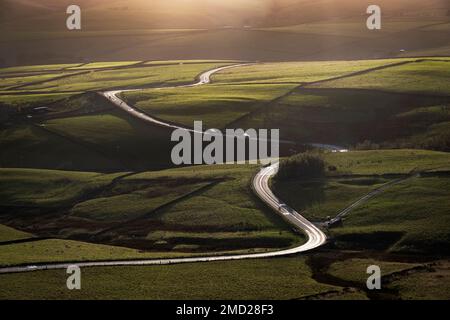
304, 165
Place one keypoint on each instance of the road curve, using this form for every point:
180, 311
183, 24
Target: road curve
203, 79
260, 184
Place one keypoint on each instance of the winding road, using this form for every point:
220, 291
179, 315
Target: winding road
260, 184
203, 79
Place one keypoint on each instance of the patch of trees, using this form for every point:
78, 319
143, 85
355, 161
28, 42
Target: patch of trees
304, 166
438, 142
5, 113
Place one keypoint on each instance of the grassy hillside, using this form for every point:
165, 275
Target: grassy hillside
323, 112
355, 269
135, 145
28, 187
56, 250
125, 78
215, 105
185, 14
408, 217
432, 285
267, 30
62, 124
30, 146
110, 195
287, 278
426, 77
394, 106
417, 211
298, 72
407, 281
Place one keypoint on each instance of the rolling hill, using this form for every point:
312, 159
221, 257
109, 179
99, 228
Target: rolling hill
268, 30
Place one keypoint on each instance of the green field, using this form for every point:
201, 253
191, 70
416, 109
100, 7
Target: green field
288, 30
297, 72
320, 199
406, 281
355, 29
350, 116
355, 269
10, 234
379, 162
431, 285
28, 187
182, 62
202, 209
22, 81
287, 278
126, 78
28, 101
30, 146
71, 251
409, 217
410, 113
133, 143
417, 211
131, 205
426, 77
100, 184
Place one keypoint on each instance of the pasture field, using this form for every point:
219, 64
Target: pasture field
320, 199
379, 162
408, 217
356, 30
98, 184
28, 101
291, 30
30, 146
408, 281
125, 78
215, 105
182, 62
415, 213
431, 285
37, 68
123, 207
102, 65
344, 107
355, 270
29, 187
202, 209
135, 145
350, 117
56, 250
298, 72
12, 82
221, 204
286, 278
